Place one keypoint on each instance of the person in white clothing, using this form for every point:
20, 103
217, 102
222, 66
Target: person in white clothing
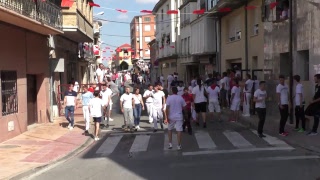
96, 105
200, 102
213, 94
106, 98
299, 105
247, 95
224, 90
170, 78
159, 102
99, 73
283, 102
85, 98
235, 101
139, 106
180, 89
147, 95
260, 96
175, 105
127, 105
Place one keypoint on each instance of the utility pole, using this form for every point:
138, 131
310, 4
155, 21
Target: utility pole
291, 58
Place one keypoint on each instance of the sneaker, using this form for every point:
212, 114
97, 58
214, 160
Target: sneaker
86, 132
312, 133
261, 136
283, 134
204, 125
170, 146
155, 130
97, 138
110, 119
301, 130
179, 147
69, 125
70, 128
106, 126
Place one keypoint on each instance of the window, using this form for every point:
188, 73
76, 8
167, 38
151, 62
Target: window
279, 13
238, 35
188, 45
181, 47
147, 51
147, 19
254, 20
161, 14
154, 26
147, 39
256, 29
9, 92
234, 27
137, 28
147, 27
173, 64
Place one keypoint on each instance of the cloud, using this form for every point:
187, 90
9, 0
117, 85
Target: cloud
147, 1
122, 16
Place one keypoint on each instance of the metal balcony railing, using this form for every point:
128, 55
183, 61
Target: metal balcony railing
43, 11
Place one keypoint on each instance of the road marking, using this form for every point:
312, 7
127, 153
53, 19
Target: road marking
204, 140
283, 158
174, 142
237, 151
140, 143
136, 133
237, 140
272, 140
108, 146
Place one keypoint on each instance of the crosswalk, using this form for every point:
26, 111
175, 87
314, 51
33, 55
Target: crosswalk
201, 142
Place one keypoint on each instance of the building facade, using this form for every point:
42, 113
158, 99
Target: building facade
167, 32
24, 63
123, 57
142, 30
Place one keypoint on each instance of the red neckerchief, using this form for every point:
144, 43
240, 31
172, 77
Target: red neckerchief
213, 86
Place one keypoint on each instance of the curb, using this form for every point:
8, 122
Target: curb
37, 170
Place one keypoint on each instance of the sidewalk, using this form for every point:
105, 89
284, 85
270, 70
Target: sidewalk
41, 146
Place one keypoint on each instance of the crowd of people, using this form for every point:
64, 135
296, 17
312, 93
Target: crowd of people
170, 102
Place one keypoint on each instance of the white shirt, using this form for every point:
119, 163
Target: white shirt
170, 79
180, 90
190, 89
147, 93
194, 83
260, 95
95, 105
126, 99
137, 98
299, 90
213, 94
249, 85
106, 94
140, 78
236, 91
157, 99
199, 94
76, 86
99, 73
162, 80
225, 80
176, 104
284, 91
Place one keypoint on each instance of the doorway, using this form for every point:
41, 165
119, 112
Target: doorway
32, 99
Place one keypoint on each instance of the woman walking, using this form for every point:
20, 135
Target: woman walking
139, 106
200, 102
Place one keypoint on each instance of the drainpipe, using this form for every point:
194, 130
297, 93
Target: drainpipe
51, 89
220, 44
291, 57
216, 58
246, 38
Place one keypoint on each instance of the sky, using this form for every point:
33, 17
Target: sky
122, 29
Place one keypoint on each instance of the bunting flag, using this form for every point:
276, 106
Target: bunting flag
111, 51
67, 3
96, 50
201, 11
226, 9
107, 48
250, 7
93, 4
172, 46
172, 12
122, 10
273, 5
104, 51
146, 11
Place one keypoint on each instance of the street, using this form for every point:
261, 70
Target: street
222, 151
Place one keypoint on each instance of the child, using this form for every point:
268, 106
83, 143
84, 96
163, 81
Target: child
260, 96
235, 100
96, 105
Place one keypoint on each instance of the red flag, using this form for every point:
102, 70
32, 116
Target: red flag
201, 11
96, 50
122, 10
172, 46
66, 3
227, 9
273, 5
251, 7
146, 11
172, 12
93, 4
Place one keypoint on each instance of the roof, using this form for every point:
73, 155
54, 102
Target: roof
125, 45
158, 5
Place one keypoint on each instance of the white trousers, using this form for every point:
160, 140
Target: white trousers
157, 115
246, 104
86, 116
149, 110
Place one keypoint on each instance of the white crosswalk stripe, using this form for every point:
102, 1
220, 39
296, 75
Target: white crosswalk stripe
140, 143
205, 143
237, 140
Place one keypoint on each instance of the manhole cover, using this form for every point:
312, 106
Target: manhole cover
9, 146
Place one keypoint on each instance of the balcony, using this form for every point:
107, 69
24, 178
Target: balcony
76, 25
42, 17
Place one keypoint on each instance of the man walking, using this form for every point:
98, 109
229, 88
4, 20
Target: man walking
316, 103
147, 95
247, 96
260, 96
159, 102
175, 105
127, 105
106, 98
283, 102
70, 102
86, 97
187, 113
299, 105
213, 92
115, 91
